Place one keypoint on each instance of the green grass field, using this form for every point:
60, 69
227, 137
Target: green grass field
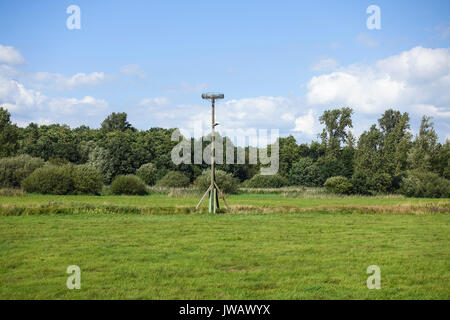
270, 247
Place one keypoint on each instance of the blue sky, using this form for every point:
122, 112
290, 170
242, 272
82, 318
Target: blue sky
279, 63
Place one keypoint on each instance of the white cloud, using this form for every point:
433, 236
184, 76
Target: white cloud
87, 106
325, 64
39, 121
265, 112
417, 80
133, 70
10, 55
417, 64
28, 105
15, 97
60, 82
431, 110
306, 123
8, 71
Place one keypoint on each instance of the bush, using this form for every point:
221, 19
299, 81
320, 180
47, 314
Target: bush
87, 179
51, 180
67, 179
148, 173
14, 170
375, 183
423, 184
381, 182
266, 181
360, 183
339, 185
330, 168
174, 179
304, 173
128, 184
226, 182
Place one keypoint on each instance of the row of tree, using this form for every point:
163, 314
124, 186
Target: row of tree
376, 162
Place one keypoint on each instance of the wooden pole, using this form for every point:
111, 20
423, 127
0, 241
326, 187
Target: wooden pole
213, 189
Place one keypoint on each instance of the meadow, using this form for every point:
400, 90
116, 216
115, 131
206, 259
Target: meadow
269, 245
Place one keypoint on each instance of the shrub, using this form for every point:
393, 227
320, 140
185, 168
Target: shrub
14, 170
422, 184
304, 173
148, 173
51, 179
174, 179
339, 185
330, 168
67, 179
364, 183
87, 179
226, 182
266, 181
128, 184
360, 183
381, 182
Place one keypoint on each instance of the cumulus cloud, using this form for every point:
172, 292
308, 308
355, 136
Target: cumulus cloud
265, 112
16, 98
9, 55
88, 106
306, 123
8, 71
28, 105
432, 110
133, 70
60, 82
417, 64
415, 80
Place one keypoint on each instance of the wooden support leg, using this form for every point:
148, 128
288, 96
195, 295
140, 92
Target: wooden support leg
222, 196
203, 198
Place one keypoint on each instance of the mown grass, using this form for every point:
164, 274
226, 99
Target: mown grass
316, 252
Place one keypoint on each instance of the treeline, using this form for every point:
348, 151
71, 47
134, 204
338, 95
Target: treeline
385, 159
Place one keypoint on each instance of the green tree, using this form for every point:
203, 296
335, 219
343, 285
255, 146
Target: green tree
337, 123
119, 156
116, 122
289, 153
305, 173
52, 141
148, 173
396, 141
9, 135
367, 155
30, 138
425, 150
443, 162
